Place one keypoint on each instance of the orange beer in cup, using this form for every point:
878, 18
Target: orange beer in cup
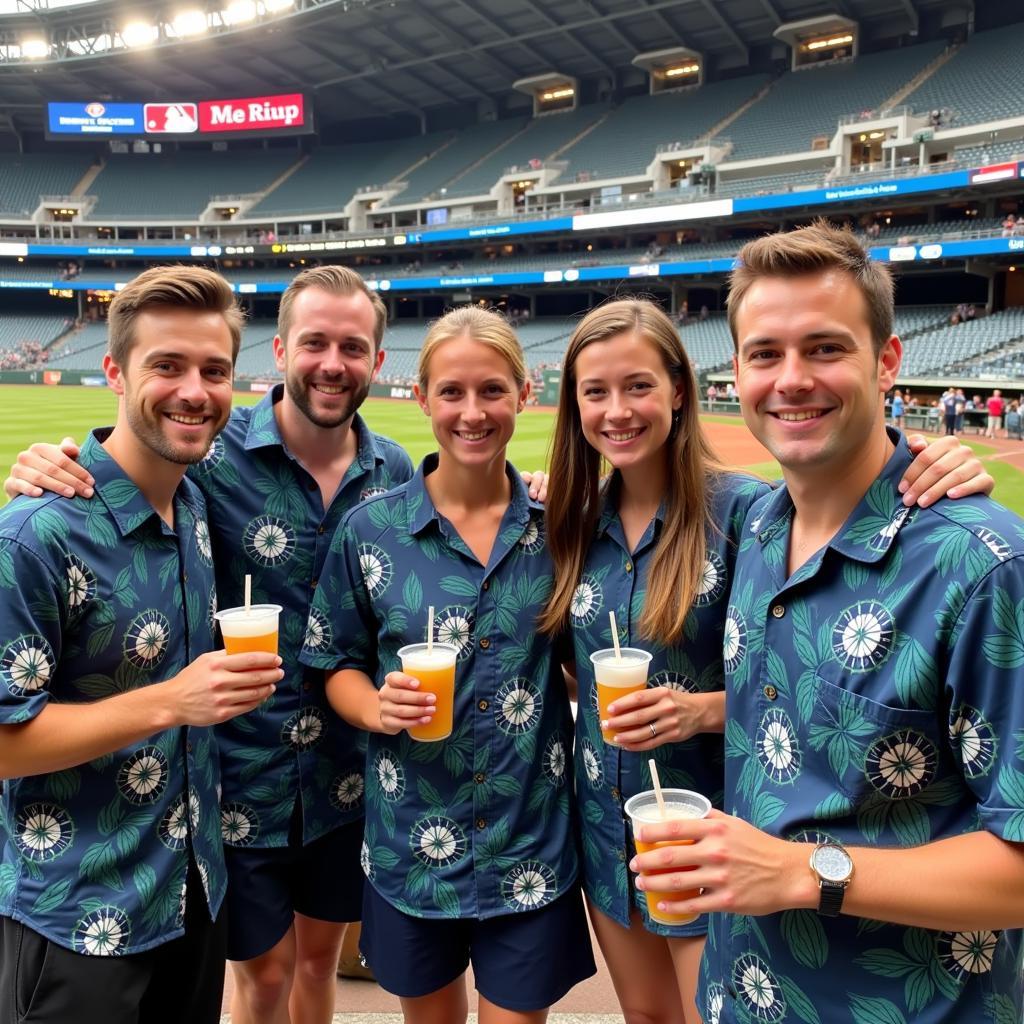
643, 809
434, 667
616, 677
249, 629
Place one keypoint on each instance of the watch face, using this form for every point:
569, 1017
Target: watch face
832, 863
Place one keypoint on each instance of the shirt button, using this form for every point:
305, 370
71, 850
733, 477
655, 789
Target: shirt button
313, 582
487, 585
321, 528
778, 611
480, 823
615, 793
485, 643
770, 692
479, 777
188, 747
621, 854
184, 577
483, 705
629, 567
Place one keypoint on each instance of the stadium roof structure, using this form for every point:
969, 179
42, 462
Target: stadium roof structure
379, 58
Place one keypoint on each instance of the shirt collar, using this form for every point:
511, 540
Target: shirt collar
263, 431
125, 503
421, 511
871, 528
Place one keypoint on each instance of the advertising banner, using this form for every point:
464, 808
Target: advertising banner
95, 118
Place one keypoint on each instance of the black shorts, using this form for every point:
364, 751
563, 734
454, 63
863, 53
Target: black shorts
182, 980
521, 961
268, 886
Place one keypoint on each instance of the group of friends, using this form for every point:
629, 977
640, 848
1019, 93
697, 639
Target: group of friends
833, 664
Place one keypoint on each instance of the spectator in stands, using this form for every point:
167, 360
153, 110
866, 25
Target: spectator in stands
948, 403
1013, 421
704, 313
712, 393
897, 409
995, 414
110, 822
960, 406
970, 312
1009, 225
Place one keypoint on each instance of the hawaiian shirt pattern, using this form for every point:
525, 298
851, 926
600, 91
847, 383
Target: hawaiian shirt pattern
480, 824
98, 597
267, 519
615, 579
873, 699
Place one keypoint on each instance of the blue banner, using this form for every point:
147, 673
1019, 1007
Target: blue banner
95, 118
526, 227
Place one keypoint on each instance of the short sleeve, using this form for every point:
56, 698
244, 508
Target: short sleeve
986, 721
342, 629
32, 604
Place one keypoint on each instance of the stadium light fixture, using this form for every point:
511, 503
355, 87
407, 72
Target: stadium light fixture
35, 49
558, 94
686, 69
139, 33
240, 12
821, 44
190, 23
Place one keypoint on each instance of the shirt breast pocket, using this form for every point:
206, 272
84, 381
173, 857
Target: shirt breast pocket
866, 751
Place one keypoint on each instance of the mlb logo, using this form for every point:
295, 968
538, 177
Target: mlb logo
171, 118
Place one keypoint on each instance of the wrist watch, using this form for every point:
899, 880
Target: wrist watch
833, 867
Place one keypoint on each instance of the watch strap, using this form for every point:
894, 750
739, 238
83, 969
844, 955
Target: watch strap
830, 901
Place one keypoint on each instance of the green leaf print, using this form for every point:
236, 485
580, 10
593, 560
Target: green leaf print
385, 857
459, 586
1011, 785
63, 786
161, 911
802, 634
49, 527
776, 672
874, 1010
805, 936
99, 865
887, 963
835, 807
430, 797
119, 493
855, 574
446, 898
1005, 649
766, 809
102, 621
952, 545
412, 593
144, 878
737, 742
893, 568
1001, 1009
8, 578
52, 897
797, 1000
1014, 828
916, 676
593, 812
98, 526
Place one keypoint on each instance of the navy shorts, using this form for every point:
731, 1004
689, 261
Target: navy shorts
267, 886
521, 961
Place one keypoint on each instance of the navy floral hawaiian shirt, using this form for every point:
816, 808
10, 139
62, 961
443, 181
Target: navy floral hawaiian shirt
480, 824
267, 519
615, 579
874, 698
98, 597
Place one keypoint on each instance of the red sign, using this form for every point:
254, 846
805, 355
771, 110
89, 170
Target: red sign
253, 113
170, 118
994, 172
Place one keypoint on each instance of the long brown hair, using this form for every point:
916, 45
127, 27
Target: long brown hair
574, 504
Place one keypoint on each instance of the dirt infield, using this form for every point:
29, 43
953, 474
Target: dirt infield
734, 444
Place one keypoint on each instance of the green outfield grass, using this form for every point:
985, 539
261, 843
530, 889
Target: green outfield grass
48, 414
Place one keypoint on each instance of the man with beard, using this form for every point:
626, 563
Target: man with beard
112, 870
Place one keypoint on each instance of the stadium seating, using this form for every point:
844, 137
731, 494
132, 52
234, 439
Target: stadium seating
180, 185
626, 141
708, 343
982, 82
82, 349
332, 175
951, 348
15, 331
26, 177
807, 104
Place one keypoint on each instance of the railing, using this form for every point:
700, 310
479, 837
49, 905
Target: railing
870, 114
239, 198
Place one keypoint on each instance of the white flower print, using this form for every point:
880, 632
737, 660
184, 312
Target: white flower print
371, 492
103, 932
712, 581
670, 680
142, 777
318, 632
366, 860
528, 885
203, 545
863, 636
592, 764
734, 640
81, 582
269, 540
304, 729
881, 539
996, 544
554, 760
973, 735
438, 841
776, 747
454, 625
27, 664
757, 988
239, 824
965, 953
586, 602
902, 764
390, 776
532, 539
43, 832
211, 610
213, 456
194, 808
173, 828
517, 706
715, 1002
145, 640
375, 565
346, 791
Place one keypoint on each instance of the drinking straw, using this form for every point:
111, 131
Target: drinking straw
248, 594
662, 810
615, 636
430, 629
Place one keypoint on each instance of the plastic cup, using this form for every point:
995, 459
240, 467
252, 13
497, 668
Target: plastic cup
252, 629
643, 809
435, 669
617, 677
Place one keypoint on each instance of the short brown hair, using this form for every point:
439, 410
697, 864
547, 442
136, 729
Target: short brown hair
812, 250
172, 287
338, 281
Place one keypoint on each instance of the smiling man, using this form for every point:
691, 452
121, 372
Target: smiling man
112, 870
873, 866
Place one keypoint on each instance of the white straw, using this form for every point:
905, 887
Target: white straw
248, 594
430, 629
662, 810
615, 636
